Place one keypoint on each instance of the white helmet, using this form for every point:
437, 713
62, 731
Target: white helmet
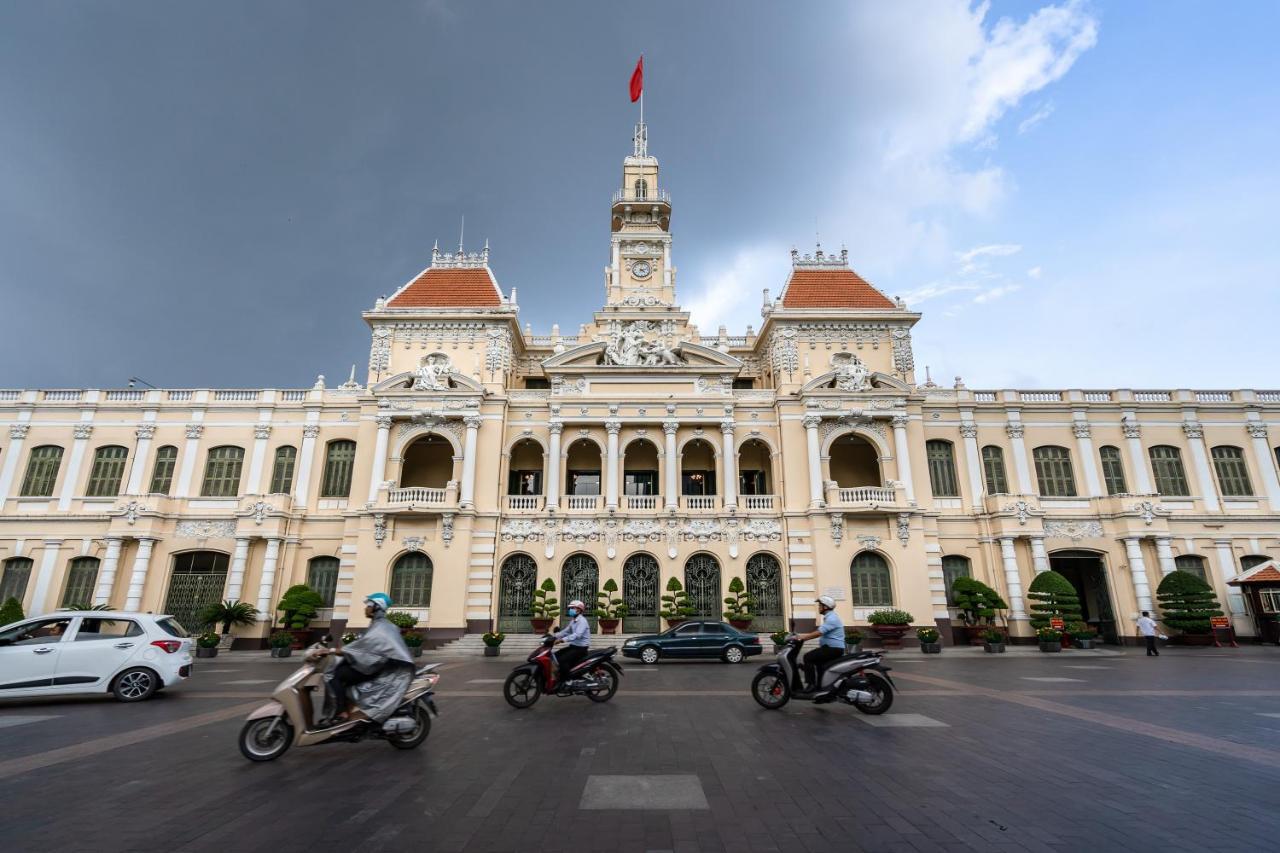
827, 602
578, 604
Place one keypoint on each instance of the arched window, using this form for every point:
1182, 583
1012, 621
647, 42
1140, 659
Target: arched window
942, 468
42, 471
282, 470
81, 575
954, 566
1192, 564
1170, 476
222, 472
107, 471
642, 189
993, 470
702, 583
338, 460
14, 577
1053, 471
162, 473
1246, 563
871, 583
322, 576
1112, 470
1233, 474
411, 581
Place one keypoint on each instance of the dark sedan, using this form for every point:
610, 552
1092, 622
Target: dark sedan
694, 640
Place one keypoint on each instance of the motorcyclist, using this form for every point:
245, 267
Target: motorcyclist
577, 636
830, 646
379, 648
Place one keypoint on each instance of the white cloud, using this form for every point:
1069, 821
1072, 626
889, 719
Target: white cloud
1034, 272
733, 294
1035, 118
993, 293
996, 250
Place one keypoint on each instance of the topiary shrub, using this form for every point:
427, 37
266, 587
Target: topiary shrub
978, 603
10, 611
1186, 603
1051, 595
738, 602
299, 605
545, 605
675, 604
609, 606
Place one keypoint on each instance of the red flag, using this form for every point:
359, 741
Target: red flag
637, 80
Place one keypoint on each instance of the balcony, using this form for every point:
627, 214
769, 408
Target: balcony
641, 502
871, 498
523, 503
761, 503
582, 503
421, 498
699, 502
630, 196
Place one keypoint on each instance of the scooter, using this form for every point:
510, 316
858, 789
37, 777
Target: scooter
595, 676
294, 716
859, 679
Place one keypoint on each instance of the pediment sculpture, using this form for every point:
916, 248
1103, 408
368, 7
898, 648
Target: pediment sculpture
432, 373
628, 347
851, 373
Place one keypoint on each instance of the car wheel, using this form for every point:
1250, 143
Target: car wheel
733, 654
134, 685
650, 654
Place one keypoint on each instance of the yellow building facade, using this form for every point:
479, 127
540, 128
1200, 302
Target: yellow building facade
478, 459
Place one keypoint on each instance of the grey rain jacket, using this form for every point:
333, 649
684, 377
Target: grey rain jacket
380, 644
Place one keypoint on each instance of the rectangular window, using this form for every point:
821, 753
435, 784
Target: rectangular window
536, 383
162, 474
338, 462
942, 469
1233, 474
42, 471
993, 470
222, 472
584, 482
108, 470
1112, 470
322, 576
954, 567
81, 575
1053, 471
1270, 599
751, 483
1192, 565
640, 482
524, 482
698, 483
14, 577
107, 629
282, 470
1170, 476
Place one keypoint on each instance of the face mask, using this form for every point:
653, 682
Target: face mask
573, 611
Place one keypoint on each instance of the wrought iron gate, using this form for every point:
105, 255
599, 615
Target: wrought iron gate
580, 578
764, 585
198, 580
640, 594
702, 582
517, 582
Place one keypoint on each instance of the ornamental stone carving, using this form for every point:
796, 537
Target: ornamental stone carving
555, 427
1073, 530
903, 361
762, 529
580, 530
1131, 430
413, 543
837, 528
145, 431
383, 421
851, 373
446, 528
629, 346
968, 429
472, 421
497, 354
18, 431
726, 426
1022, 509
1013, 430
783, 356
711, 385
84, 432
900, 420
379, 529
1080, 429
131, 511
642, 530
1256, 430
433, 373
262, 431
520, 530
310, 430
204, 529
812, 421
1193, 429
701, 530
1148, 511
613, 427
195, 430
904, 528
869, 543
380, 350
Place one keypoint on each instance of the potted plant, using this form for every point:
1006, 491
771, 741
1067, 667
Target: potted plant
993, 641
227, 614
350, 637
281, 644
1050, 639
492, 643
1186, 605
609, 610
978, 604
778, 637
1052, 595
413, 640
852, 639
545, 607
675, 604
10, 611
890, 623
207, 645
930, 640
1083, 635
738, 605
406, 622
299, 605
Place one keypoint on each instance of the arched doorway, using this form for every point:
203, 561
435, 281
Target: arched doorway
698, 473
854, 462
640, 594
428, 463
582, 469
640, 474
197, 581
1088, 574
702, 583
764, 585
755, 473
525, 474
516, 583
580, 578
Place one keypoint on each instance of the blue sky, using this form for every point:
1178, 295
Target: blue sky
1074, 194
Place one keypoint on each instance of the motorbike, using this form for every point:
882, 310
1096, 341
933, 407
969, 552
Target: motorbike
595, 676
859, 679
295, 714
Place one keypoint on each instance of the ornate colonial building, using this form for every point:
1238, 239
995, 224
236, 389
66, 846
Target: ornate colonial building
479, 459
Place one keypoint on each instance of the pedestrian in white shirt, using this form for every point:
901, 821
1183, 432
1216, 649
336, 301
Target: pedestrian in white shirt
1147, 628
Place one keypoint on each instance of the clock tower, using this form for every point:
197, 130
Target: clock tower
640, 274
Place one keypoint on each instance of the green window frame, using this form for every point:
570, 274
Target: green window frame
993, 470
282, 470
1192, 564
1247, 562
411, 581
162, 470
1166, 467
15, 574
42, 471
107, 471
872, 583
1112, 470
322, 576
222, 472
942, 468
1233, 473
81, 576
955, 566
339, 458
1053, 471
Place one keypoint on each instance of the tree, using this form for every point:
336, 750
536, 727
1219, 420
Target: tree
227, 613
978, 603
10, 611
608, 607
299, 604
675, 605
544, 604
1052, 595
738, 602
1186, 603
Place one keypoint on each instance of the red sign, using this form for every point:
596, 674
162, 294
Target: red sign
1056, 623
1219, 622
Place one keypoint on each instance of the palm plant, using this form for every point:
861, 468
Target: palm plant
227, 613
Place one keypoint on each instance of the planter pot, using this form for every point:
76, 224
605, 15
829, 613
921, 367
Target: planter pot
541, 626
609, 626
1051, 646
492, 651
281, 651
777, 649
206, 651
849, 648
1082, 643
931, 648
974, 634
891, 634
300, 637
740, 624
225, 642
994, 648
671, 623
416, 651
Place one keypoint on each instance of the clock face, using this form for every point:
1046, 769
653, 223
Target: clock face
641, 269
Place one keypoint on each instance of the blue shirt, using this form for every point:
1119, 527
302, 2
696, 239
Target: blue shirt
578, 632
832, 631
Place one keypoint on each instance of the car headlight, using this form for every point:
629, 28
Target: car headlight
629, 643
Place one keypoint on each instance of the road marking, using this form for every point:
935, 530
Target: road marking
204, 671
1051, 678
7, 722
1277, 716
903, 721
646, 793
486, 681
249, 681
1086, 666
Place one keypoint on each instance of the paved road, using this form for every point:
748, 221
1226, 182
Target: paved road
1079, 751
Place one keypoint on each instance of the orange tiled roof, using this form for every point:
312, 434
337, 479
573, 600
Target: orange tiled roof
832, 288
440, 287
1270, 574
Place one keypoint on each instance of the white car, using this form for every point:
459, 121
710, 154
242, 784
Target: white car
130, 655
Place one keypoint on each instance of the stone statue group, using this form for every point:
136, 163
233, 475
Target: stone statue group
629, 348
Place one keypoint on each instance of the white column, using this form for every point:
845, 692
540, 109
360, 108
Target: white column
1039, 559
138, 577
188, 468
1013, 429
553, 465
1012, 580
17, 432
1088, 459
815, 462
730, 487
267, 585
1137, 458
235, 583
380, 456
141, 453
1138, 571
611, 463
1263, 459
973, 461
44, 578
467, 496
672, 488
107, 576
1228, 568
71, 479
1195, 439
302, 485
1164, 551
902, 450
261, 432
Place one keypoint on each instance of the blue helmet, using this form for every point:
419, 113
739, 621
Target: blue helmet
379, 600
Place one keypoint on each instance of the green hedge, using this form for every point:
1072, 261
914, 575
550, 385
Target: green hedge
1051, 595
1186, 603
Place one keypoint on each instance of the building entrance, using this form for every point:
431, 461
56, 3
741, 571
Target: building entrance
1087, 573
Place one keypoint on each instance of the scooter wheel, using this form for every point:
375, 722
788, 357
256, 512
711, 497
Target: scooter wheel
770, 690
604, 694
883, 694
521, 690
266, 738
411, 739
